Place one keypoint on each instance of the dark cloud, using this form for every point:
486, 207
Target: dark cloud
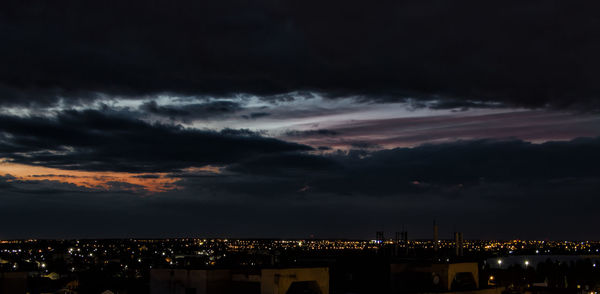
190, 112
487, 189
241, 132
12, 185
255, 115
92, 140
434, 54
4, 184
447, 169
285, 164
531, 125
364, 145
311, 133
461, 105
148, 176
525, 53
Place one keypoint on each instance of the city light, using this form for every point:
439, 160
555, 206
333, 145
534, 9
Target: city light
137, 257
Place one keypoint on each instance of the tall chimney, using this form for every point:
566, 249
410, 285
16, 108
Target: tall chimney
435, 236
379, 237
406, 241
458, 242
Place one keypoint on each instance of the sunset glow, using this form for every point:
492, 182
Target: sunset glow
142, 182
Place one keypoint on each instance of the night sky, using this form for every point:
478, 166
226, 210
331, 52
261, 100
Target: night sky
299, 119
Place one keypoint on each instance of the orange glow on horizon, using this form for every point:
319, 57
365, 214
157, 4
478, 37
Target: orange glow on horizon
149, 182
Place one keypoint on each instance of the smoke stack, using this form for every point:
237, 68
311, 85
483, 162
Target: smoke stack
406, 241
379, 237
435, 236
458, 241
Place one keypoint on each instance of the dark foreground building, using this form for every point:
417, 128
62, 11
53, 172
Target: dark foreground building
251, 281
13, 282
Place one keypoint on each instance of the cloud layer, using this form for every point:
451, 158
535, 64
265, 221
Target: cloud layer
290, 118
95, 141
476, 186
530, 54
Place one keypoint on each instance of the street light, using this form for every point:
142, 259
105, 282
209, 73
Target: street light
526, 263
499, 262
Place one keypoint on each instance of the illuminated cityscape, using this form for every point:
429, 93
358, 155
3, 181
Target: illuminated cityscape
126, 265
